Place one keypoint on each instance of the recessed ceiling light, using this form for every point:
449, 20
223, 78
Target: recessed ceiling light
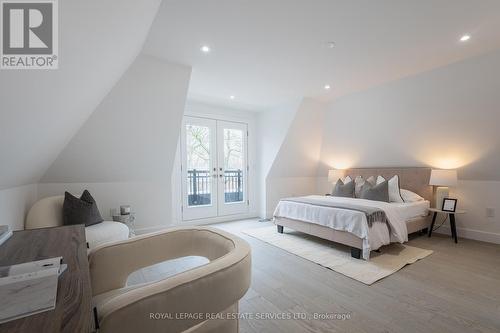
205, 49
327, 87
232, 97
464, 38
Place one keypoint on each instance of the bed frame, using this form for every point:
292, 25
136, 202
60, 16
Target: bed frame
413, 179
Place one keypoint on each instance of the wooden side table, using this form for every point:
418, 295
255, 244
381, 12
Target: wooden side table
453, 226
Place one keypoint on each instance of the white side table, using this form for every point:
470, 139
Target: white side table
128, 220
453, 226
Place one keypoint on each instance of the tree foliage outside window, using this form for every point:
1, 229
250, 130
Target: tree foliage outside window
233, 140
198, 148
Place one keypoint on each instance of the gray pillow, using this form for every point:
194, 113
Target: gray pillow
359, 181
81, 210
343, 190
379, 192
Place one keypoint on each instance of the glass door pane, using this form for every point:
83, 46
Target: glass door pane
198, 165
199, 177
232, 160
233, 165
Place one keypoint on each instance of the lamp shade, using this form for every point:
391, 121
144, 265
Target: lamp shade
334, 175
443, 178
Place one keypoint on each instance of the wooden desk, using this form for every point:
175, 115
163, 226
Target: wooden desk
73, 312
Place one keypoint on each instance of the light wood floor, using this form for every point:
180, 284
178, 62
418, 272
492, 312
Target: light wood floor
456, 289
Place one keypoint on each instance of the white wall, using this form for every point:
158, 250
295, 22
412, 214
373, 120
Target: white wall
15, 203
475, 197
42, 109
273, 126
199, 109
149, 200
124, 153
284, 187
445, 118
293, 172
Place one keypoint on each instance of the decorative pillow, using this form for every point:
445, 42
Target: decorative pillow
394, 191
379, 192
343, 190
359, 182
347, 179
80, 211
409, 196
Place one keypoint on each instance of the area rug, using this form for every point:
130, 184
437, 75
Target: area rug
337, 257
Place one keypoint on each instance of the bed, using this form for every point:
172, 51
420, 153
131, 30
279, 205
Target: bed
320, 216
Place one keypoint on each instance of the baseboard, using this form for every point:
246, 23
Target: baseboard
483, 236
213, 220
220, 219
154, 228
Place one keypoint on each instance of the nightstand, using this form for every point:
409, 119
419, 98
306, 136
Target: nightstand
453, 226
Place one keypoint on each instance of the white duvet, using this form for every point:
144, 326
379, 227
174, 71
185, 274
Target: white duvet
348, 220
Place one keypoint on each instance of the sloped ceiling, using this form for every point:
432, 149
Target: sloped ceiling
299, 152
445, 118
132, 136
42, 110
268, 52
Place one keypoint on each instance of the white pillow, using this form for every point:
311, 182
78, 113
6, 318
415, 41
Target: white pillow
394, 192
409, 196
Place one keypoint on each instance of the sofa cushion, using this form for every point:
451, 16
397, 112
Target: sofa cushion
107, 231
81, 210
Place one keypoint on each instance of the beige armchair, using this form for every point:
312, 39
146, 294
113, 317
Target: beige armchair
203, 299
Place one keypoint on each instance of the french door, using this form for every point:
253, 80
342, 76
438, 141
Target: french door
214, 168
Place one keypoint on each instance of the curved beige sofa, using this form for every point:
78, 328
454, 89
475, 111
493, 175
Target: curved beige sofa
47, 212
179, 303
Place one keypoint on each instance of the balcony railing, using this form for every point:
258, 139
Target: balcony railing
199, 186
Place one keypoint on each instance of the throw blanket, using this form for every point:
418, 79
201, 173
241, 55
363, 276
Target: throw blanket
326, 211
373, 214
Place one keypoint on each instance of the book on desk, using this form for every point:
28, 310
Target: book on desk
29, 288
5, 233
73, 308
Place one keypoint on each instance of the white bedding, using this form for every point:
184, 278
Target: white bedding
354, 221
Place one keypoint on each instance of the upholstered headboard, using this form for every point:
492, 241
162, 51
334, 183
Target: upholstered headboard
413, 179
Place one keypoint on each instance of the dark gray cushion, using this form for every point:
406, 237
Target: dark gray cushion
343, 190
81, 210
378, 192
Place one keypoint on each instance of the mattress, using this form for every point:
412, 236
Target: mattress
411, 210
378, 233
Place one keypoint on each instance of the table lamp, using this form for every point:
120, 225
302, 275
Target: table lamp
334, 175
442, 179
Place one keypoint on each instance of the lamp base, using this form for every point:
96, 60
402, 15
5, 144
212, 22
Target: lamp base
441, 193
